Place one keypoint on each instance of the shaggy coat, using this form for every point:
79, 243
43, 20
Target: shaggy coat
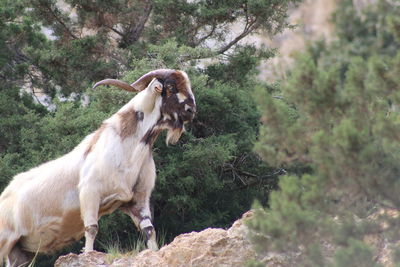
59, 202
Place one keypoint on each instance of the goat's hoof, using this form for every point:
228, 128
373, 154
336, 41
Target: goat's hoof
84, 250
148, 232
152, 245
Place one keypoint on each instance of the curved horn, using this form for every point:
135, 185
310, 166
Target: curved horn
117, 83
143, 81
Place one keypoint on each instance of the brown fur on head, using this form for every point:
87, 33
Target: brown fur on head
178, 104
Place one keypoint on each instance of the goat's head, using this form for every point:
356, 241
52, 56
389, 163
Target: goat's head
178, 103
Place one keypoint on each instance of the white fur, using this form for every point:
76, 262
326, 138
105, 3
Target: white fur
53, 202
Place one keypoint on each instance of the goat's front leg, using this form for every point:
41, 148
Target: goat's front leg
139, 208
90, 202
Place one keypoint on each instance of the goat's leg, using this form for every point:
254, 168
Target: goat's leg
90, 201
8, 240
139, 208
18, 257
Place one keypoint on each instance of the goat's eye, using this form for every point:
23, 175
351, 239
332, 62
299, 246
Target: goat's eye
170, 87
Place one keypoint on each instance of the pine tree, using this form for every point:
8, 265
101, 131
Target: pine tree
334, 127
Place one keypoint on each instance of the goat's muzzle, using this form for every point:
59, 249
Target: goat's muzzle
188, 114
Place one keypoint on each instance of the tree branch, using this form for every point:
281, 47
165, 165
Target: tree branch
249, 28
59, 20
114, 30
134, 33
202, 39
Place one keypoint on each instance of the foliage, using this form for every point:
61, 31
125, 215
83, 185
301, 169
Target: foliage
211, 176
92, 40
338, 120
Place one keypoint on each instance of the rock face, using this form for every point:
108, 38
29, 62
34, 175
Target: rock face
313, 20
211, 247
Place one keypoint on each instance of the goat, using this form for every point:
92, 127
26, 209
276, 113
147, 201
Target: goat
59, 202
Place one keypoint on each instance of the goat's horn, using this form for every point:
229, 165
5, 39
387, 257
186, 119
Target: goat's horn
117, 83
143, 81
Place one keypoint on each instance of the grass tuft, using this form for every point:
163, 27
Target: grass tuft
115, 249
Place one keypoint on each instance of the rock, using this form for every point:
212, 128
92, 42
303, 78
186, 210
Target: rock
211, 247
216, 247
93, 258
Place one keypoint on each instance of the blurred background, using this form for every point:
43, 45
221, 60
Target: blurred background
297, 112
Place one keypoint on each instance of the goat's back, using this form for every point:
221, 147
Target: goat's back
41, 206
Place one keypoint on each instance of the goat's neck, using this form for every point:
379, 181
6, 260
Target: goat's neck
151, 118
139, 116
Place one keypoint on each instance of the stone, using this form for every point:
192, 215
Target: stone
210, 247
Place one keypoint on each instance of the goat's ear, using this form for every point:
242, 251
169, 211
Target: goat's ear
158, 88
156, 85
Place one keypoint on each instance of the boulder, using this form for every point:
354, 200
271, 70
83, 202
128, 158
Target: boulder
210, 247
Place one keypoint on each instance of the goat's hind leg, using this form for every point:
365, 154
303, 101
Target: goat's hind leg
11, 252
18, 257
8, 239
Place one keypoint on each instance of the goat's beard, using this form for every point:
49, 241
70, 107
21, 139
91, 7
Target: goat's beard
174, 134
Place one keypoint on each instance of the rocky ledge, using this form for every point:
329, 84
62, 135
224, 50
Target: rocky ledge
211, 247
215, 247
